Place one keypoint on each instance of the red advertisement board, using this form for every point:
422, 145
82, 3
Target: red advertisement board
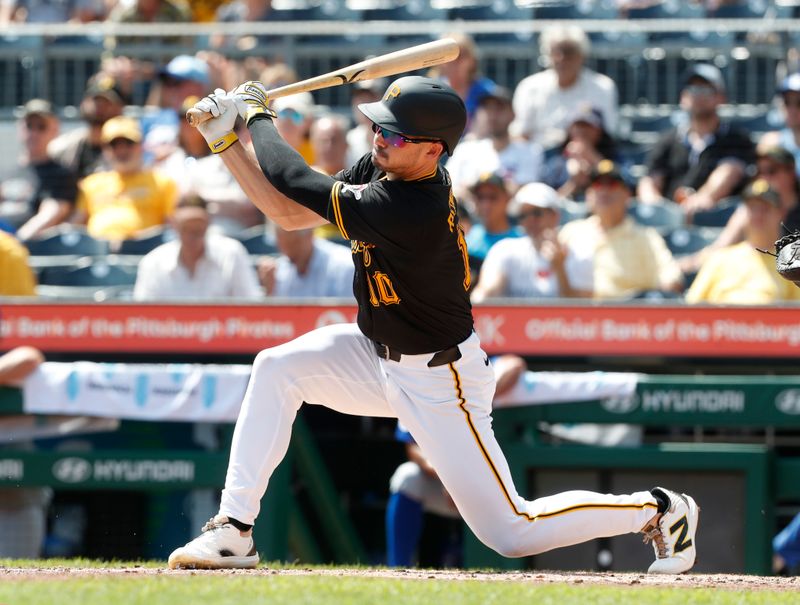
530, 330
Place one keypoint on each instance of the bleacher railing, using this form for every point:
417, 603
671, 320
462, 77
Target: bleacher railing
645, 57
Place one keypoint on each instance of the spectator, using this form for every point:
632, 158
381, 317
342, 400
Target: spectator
536, 266
787, 137
308, 267
16, 277
463, 75
51, 11
184, 76
740, 274
703, 161
777, 167
175, 149
239, 11
118, 203
37, 193
359, 138
587, 143
545, 102
207, 177
23, 511
328, 138
491, 199
295, 116
148, 11
492, 149
628, 258
81, 150
197, 265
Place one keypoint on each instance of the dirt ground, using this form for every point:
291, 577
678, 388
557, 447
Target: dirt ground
726, 581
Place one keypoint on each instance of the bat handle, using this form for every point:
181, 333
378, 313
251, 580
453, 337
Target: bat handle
195, 117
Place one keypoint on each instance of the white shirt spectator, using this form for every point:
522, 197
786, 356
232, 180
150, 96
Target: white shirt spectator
519, 163
330, 273
543, 110
224, 272
528, 275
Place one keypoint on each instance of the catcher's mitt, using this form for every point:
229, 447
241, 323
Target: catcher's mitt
787, 257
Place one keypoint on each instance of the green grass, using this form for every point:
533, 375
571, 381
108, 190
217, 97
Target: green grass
346, 590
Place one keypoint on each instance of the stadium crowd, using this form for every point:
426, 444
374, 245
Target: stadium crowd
543, 166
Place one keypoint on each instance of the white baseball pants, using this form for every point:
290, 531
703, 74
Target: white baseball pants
447, 409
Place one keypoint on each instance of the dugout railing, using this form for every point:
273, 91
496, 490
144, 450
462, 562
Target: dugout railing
688, 403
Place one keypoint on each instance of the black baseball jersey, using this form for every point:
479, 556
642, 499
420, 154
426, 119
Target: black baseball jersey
412, 272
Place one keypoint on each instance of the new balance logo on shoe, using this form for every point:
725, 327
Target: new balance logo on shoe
681, 543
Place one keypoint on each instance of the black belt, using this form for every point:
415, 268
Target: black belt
439, 359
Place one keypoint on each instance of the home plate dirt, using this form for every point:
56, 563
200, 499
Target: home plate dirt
729, 581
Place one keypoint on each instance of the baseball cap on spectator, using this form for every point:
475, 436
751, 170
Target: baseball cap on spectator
38, 107
186, 67
607, 169
760, 190
706, 72
121, 127
302, 103
488, 178
588, 115
790, 83
538, 195
497, 92
777, 154
105, 86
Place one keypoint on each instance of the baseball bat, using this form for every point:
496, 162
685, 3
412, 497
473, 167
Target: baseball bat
408, 59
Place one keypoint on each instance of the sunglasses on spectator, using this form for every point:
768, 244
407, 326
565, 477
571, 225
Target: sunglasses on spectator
292, 115
700, 90
534, 212
396, 139
120, 142
37, 125
605, 182
567, 50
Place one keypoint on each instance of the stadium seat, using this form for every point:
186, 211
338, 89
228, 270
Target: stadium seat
145, 241
66, 240
690, 239
505, 10
718, 215
90, 272
257, 240
665, 216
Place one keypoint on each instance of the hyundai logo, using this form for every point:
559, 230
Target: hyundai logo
72, 470
620, 405
788, 402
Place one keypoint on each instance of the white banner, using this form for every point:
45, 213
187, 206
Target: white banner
178, 392
541, 388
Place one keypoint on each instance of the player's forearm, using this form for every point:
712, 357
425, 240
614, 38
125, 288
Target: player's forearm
281, 210
287, 170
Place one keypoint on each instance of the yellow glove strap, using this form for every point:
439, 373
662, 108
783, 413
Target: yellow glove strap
222, 143
256, 111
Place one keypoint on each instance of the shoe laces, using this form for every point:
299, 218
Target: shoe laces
214, 523
653, 533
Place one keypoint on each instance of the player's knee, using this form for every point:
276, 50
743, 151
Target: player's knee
408, 480
507, 546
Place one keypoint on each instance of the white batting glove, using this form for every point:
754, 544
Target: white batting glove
252, 99
218, 131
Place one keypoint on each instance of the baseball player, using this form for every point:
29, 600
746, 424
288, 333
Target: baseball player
413, 354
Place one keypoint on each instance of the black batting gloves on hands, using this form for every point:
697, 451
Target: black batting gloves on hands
252, 100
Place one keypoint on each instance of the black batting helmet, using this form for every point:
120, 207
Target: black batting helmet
420, 107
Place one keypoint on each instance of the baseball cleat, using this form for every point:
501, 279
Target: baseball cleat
673, 534
219, 546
